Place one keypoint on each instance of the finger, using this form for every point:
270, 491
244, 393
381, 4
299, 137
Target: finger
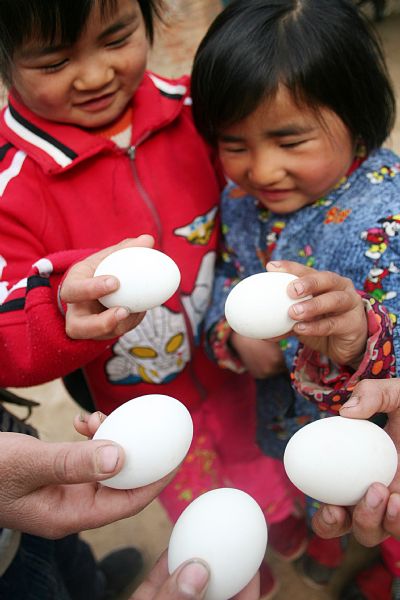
87, 424
320, 282
334, 325
371, 396
289, 266
75, 462
391, 523
113, 322
310, 281
331, 521
369, 515
82, 288
329, 303
190, 580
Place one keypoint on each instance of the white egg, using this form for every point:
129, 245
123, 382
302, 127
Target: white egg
335, 459
147, 278
155, 431
227, 529
257, 307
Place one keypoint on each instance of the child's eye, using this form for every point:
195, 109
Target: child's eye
292, 144
233, 150
54, 66
119, 42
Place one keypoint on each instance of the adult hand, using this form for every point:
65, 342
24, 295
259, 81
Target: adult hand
333, 321
262, 358
377, 515
86, 317
51, 489
189, 581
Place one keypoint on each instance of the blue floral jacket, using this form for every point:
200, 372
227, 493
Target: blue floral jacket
355, 231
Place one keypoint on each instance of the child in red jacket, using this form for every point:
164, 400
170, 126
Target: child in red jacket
94, 149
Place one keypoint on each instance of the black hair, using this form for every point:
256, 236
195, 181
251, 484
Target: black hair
48, 20
324, 51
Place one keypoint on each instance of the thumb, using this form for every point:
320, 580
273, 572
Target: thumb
76, 462
371, 396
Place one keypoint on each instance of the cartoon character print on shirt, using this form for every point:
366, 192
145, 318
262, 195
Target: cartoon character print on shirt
265, 254
200, 229
374, 283
378, 239
385, 172
158, 349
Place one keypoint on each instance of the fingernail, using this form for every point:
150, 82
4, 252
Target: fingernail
275, 264
328, 516
121, 313
100, 416
107, 459
373, 498
298, 309
193, 578
111, 283
299, 287
393, 507
352, 402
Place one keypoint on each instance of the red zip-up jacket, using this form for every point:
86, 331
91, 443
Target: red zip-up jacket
66, 193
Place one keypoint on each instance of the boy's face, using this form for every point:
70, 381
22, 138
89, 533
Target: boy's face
285, 155
90, 83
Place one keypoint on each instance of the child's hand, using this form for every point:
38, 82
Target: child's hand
333, 322
377, 515
86, 317
262, 358
88, 423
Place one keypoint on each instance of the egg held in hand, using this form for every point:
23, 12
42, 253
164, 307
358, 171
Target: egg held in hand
335, 460
226, 528
155, 432
147, 278
257, 307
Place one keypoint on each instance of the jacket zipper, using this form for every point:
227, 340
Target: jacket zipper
131, 152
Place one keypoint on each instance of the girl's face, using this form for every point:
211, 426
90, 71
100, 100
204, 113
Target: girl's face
90, 83
285, 155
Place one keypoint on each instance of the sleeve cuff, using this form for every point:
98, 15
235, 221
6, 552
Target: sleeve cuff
221, 349
329, 385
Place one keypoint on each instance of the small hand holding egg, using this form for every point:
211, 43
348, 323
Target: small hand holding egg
333, 320
336, 459
257, 307
226, 528
147, 278
155, 432
85, 317
377, 515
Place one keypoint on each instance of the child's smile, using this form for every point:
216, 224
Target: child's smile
286, 155
89, 83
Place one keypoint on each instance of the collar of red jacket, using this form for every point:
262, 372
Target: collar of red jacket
57, 146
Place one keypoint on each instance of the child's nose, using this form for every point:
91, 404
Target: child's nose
93, 75
266, 170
